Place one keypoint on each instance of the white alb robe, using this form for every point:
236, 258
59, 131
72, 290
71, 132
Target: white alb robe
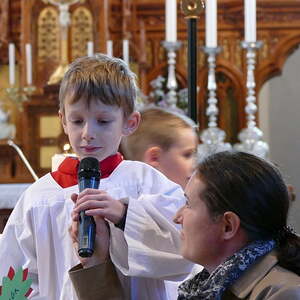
36, 235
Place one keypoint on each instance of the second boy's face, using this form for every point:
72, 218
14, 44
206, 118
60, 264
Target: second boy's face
95, 130
178, 162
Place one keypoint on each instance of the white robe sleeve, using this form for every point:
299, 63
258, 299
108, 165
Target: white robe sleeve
150, 244
17, 244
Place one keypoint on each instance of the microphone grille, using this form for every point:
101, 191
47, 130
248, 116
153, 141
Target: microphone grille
89, 167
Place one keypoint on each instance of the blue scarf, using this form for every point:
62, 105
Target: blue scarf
205, 286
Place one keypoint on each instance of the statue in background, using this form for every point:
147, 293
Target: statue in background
7, 130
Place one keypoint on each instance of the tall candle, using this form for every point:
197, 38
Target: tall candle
211, 23
90, 48
126, 51
109, 47
171, 20
28, 64
12, 62
250, 20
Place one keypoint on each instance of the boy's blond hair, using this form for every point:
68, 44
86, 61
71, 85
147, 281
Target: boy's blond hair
99, 77
158, 127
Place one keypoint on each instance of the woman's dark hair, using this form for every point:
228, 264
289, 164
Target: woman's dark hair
255, 190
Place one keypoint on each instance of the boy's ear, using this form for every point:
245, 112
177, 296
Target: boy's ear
131, 123
152, 156
63, 121
231, 225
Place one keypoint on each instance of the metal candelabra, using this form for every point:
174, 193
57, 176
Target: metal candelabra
20, 94
171, 48
251, 136
213, 137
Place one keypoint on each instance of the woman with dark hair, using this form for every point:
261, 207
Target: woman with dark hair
234, 224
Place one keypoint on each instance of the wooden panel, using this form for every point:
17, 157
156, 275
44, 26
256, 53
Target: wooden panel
4, 215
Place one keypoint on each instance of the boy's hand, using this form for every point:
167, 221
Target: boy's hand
101, 252
99, 203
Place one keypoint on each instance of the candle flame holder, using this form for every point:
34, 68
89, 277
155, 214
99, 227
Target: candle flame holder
19, 95
171, 97
213, 138
251, 136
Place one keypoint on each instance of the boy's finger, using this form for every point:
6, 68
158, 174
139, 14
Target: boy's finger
95, 197
90, 204
91, 192
74, 197
75, 216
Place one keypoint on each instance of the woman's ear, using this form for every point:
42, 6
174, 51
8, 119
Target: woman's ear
231, 225
152, 156
62, 118
131, 123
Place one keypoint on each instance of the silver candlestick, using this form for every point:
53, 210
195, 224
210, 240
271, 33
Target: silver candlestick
251, 136
213, 137
171, 97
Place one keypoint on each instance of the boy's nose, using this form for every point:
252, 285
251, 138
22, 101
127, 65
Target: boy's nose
88, 133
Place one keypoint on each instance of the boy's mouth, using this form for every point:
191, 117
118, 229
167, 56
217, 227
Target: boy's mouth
90, 149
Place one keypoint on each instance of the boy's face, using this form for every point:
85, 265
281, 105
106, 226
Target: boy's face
96, 130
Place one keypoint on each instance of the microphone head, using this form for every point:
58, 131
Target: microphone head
89, 167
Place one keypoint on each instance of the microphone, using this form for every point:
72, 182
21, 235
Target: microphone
88, 177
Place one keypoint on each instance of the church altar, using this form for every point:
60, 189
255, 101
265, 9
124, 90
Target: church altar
10, 193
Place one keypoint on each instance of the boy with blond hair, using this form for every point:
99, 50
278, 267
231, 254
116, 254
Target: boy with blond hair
167, 141
97, 98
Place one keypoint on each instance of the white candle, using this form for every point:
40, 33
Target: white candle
250, 20
12, 62
211, 23
28, 64
109, 47
171, 20
90, 48
126, 51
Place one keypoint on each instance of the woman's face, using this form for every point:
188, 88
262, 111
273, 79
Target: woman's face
201, 235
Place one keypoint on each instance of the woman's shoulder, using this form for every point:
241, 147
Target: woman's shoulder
279, 283
267, 280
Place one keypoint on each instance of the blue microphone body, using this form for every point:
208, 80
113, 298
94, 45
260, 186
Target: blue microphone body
88, 177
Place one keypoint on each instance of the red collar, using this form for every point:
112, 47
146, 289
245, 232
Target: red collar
66, 175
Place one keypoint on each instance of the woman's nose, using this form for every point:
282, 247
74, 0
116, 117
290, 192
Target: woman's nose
178, 216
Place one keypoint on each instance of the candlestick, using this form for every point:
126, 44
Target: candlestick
109, 47
90, 48
211, 24
126, 51
171, 48
213, 138
28, 64
12, 62
250, 20
251, 136
171, 20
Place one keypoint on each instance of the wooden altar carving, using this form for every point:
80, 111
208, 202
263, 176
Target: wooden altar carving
143, 21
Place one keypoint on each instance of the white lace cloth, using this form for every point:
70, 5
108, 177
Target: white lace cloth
10, 193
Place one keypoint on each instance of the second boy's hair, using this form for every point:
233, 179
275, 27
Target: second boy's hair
158, 127
99, 77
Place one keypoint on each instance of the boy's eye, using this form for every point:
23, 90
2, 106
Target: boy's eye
77, 121
189, 154
103, 121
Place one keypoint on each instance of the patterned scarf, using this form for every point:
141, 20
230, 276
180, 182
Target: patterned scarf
207, 286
